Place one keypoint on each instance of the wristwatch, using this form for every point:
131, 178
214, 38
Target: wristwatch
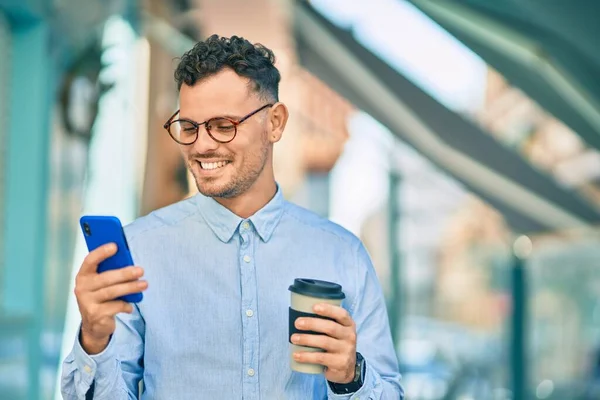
357, 382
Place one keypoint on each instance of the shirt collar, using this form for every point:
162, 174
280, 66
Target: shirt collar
224, 223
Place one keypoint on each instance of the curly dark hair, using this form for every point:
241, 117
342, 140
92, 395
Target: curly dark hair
253, 61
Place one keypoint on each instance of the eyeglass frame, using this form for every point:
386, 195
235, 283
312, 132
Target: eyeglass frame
197, 125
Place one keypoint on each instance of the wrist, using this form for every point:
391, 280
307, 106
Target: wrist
92, 346
357, 381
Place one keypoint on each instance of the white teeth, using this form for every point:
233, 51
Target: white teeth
213, 165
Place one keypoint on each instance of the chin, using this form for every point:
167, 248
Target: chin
214, 188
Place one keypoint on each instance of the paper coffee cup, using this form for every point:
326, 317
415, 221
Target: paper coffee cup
305, 293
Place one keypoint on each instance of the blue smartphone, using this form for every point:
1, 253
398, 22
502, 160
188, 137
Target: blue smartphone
99, 230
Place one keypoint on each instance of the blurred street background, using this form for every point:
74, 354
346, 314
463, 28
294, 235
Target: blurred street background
459, 139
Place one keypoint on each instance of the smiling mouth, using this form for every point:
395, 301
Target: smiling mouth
213, 165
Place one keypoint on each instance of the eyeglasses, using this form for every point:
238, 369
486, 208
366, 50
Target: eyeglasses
220, 129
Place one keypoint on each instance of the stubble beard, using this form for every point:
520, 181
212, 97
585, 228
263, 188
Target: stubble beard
242, 180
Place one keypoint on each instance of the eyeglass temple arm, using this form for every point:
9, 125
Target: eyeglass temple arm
254, 112
166, 125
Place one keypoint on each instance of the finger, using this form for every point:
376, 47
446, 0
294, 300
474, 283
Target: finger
121, 289
114, 277
112, 308
95, 257
329, 328
324, 342
338, 313
329, 360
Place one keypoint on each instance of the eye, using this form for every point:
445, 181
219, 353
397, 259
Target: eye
186, 127
221, 125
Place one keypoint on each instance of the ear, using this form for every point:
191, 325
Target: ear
278, 117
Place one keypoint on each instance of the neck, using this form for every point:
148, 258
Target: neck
252, 200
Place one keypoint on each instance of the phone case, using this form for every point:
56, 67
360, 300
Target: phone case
100, 230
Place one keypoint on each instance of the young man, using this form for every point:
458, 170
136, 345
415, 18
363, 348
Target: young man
213, 323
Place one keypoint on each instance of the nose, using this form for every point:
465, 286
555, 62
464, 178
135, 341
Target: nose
205, 143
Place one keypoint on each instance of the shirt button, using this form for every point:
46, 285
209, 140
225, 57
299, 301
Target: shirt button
245, 225
250, 372
247, 258
87, 369
249, 313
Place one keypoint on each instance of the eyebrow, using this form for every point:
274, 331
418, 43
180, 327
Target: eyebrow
230, 116
234, 117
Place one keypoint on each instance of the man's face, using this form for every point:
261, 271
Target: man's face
225, 169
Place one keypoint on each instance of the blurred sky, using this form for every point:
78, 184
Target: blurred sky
410, 42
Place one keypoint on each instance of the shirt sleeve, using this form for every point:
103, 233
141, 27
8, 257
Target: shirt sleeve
374, 342
116, 372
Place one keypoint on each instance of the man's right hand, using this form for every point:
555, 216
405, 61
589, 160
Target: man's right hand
96, 294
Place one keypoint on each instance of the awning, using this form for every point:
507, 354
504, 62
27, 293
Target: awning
530, 200
549, 49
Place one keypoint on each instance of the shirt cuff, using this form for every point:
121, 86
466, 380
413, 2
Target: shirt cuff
97, 366
362, 393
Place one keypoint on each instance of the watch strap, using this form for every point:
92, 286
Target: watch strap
356, 384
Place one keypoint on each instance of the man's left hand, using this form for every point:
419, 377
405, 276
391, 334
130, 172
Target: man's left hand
338, 341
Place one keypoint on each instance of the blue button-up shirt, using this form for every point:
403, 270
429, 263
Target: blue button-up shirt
213, 323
